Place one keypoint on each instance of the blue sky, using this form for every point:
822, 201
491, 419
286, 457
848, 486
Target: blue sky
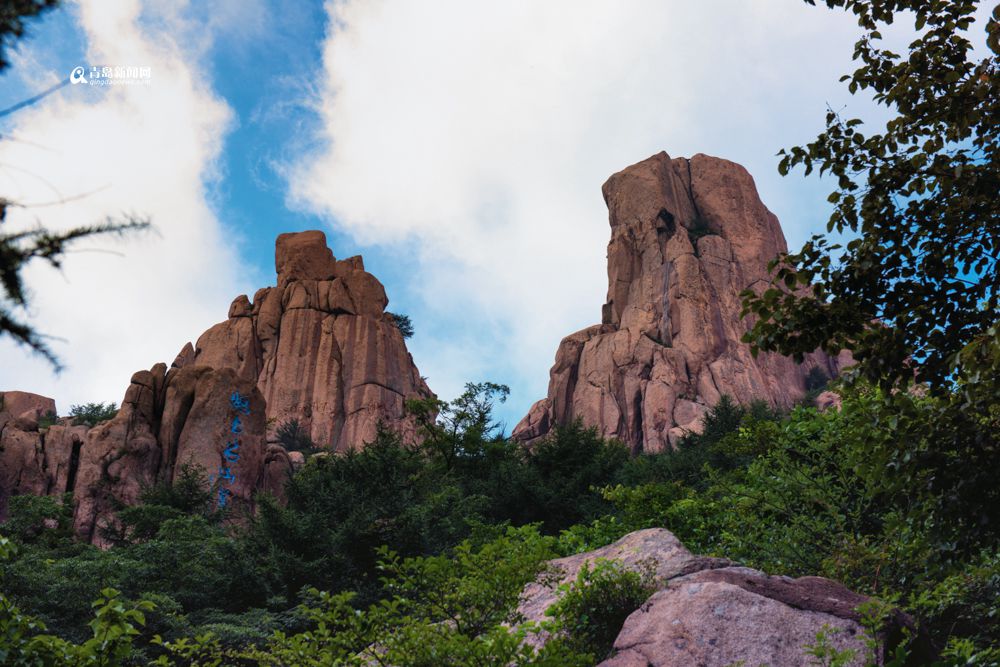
458, 146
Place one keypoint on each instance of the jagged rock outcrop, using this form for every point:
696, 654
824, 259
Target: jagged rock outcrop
320, 347
34, 458
712, 612
169, 420
687, 236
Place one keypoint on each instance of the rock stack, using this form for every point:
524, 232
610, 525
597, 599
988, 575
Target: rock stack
687, 236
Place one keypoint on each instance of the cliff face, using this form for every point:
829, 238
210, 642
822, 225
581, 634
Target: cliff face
318, 348
687, 236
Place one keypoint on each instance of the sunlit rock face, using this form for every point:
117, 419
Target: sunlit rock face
320, 347
317, 348
687, 237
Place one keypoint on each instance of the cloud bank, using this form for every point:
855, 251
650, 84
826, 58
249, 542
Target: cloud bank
147, 150
476, 136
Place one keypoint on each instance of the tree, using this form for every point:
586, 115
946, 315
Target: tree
12, 16
460, 428
92, 414
402, 323
20, 247
918, 280
915, 292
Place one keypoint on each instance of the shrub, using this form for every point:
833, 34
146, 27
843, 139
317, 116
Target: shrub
402, 323
294, 437
48, 419
592, 609
92, 414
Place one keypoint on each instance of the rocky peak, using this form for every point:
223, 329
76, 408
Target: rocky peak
687, 236
319, 345
303, 256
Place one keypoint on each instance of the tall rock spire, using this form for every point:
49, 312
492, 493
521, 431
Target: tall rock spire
320, 347
687, 236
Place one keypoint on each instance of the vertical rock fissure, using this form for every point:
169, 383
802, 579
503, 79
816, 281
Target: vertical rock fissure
74, 465
690, 189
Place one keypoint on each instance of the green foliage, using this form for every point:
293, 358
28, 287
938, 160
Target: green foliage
456, 610
415, 548
816, 379
189, 494
113, 628
918, 201
402, 323
39, 519
50, 418
294, 438
593, 608
964, 603
459, 429
12, 22
92, 414
825, 654
563, 471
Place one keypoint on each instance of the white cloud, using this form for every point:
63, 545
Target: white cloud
149, 150
477, 136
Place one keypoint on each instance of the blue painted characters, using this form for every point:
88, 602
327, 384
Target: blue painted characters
230, 455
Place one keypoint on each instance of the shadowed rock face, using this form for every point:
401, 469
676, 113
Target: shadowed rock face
687, 236
320, 347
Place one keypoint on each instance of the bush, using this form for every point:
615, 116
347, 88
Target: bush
402, 323
48, 419
92, 414
294, 438
592, 609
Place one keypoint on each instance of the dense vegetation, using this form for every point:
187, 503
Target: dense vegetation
433, 543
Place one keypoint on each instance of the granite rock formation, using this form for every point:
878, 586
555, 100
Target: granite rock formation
35, 458
320, 347
687, 237
712, 612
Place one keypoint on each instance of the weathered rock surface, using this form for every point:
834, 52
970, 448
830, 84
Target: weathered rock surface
712, 612
24, 405
687, 236
23, 465
170, 419
320, 347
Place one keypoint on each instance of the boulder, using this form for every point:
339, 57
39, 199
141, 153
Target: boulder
712, 612
25, 405
687, 237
